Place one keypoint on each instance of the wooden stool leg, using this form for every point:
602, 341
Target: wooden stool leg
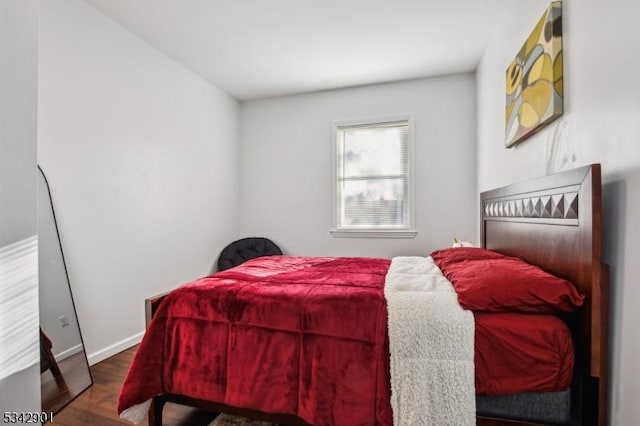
155, 411
55, 370
48, 361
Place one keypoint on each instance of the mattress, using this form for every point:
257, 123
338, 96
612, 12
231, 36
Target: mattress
522, 353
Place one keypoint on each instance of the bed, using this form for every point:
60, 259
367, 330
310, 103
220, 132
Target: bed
552, 222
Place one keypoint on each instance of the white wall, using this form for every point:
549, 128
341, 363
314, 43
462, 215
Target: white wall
18, 112
18, 108
286, 161
142, 161
601, 124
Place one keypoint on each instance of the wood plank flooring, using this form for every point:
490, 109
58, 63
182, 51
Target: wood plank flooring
97, 405
56, 392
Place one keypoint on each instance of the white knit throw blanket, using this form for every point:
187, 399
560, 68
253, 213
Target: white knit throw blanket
431, 347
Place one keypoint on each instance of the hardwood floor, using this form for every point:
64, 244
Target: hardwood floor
57, 391
97, 405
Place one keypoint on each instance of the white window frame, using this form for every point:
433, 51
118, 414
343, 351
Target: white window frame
405, 232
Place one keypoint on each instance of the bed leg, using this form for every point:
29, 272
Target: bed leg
155, 411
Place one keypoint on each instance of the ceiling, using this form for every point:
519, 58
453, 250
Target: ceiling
262, 48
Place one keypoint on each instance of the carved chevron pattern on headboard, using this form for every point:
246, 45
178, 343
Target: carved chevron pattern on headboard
554, 206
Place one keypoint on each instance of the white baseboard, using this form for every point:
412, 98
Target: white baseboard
67, 353
111, 350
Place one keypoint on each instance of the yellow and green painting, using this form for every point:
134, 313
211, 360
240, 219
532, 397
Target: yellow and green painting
534, 79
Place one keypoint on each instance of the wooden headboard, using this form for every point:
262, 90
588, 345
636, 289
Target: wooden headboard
555, 222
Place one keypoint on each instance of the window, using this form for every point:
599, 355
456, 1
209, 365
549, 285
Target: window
373, 179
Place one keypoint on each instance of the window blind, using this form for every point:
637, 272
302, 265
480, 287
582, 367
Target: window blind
372, 176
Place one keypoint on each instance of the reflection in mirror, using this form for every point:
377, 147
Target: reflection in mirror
63, 363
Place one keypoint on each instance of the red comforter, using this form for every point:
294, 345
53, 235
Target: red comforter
310, 341
307, 336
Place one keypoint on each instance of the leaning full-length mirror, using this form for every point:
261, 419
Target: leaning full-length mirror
63, 363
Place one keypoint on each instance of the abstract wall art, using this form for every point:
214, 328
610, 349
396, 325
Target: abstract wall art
534, 79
